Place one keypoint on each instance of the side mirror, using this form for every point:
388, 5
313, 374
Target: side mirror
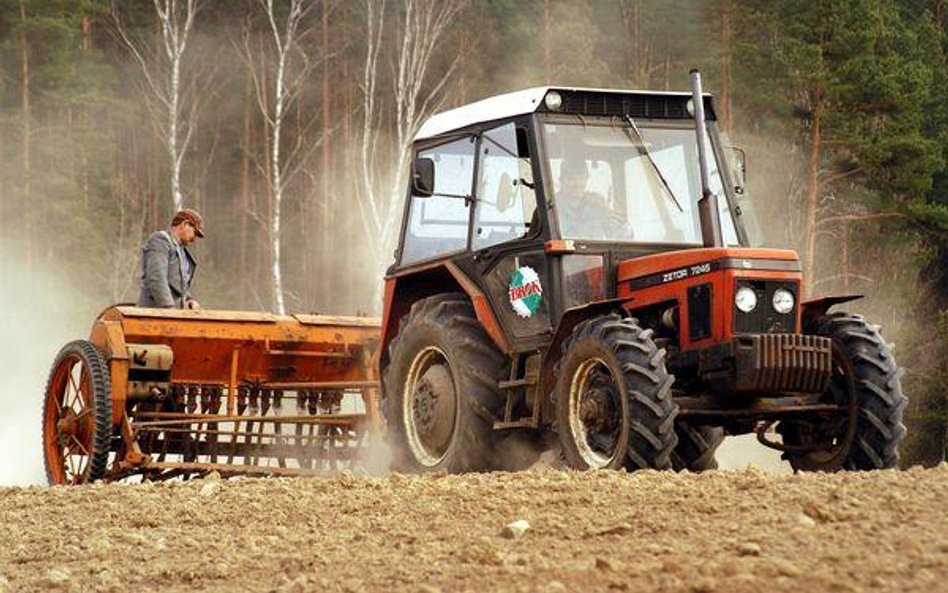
739, 162
422, 178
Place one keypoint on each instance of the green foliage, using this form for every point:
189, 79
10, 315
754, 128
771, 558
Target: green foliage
869, 73
927, 442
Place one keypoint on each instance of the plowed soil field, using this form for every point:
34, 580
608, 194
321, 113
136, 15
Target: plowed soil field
718, 531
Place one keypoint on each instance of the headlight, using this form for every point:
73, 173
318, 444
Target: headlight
745, 299
783, 301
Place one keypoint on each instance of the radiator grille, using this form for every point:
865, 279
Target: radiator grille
783, 363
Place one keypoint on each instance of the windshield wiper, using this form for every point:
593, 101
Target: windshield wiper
639, 142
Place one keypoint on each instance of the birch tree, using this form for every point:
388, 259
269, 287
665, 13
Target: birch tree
416, 92
161, 67
282, 163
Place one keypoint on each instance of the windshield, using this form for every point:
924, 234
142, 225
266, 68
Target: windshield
608, 186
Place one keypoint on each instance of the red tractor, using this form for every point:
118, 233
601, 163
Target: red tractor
574, 262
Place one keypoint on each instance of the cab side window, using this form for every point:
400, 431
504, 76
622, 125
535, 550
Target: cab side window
438, 225
506, 200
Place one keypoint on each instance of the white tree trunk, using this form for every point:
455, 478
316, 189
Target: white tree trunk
284, 44
163, 78
175, 36
421, 28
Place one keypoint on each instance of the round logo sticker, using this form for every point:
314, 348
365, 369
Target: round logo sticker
525, 291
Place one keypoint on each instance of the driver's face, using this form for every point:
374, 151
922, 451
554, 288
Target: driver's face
574, 181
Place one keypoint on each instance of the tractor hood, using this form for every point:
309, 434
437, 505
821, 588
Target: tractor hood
652, 270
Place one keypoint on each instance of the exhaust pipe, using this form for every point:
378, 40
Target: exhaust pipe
708, 212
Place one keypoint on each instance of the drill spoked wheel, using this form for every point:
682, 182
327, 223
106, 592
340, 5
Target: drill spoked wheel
77, 416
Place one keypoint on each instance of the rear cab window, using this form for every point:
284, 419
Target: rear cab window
438, 225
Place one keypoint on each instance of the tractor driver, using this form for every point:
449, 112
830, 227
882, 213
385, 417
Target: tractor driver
584, 214
168, 266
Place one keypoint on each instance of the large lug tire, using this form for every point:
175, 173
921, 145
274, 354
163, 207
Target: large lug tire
77, 416
866, 381
441, 394
614, 406
696, 447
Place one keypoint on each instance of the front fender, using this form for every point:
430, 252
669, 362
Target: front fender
816, 308
570, 319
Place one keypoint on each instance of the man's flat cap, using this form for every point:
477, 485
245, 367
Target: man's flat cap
191, 216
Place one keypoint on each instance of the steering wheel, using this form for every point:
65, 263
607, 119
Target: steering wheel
608, 224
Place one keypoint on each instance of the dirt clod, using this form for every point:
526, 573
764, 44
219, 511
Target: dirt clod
749, 549
515, 530
57, 577
804, 520
209, 489
606, 563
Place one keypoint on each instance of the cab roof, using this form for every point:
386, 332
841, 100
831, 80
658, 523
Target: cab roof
581, 100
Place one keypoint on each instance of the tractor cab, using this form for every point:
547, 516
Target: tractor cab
536, 196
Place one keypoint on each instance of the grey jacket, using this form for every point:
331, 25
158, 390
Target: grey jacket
163, 283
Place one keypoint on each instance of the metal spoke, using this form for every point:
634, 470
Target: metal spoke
75, 389
83, 461
81, 446
68, 457
82, 396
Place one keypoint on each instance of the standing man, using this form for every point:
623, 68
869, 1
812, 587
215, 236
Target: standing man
168, 266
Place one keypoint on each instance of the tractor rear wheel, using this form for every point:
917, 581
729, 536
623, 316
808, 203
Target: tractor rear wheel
441, 394
866, 383
77, 415
614, 406
696, 447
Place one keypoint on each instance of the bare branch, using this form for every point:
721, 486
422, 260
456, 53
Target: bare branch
860, 217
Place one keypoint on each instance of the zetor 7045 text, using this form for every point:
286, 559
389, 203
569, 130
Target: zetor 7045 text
575, 261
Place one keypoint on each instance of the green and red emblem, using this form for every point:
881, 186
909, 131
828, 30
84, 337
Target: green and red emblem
525, 292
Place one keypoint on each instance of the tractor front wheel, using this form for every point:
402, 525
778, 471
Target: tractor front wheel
866, 385
77, 415
441, 395
614, 406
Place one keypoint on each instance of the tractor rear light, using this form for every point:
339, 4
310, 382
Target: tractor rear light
783, 301
745, 299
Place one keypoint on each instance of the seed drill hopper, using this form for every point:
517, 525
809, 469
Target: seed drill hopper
167, 393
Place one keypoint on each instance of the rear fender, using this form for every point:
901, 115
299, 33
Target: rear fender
402, 291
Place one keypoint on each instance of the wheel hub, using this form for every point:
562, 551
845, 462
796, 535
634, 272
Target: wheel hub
594, 413
74, 426
425, 404
597, 411
430, 406
68, 424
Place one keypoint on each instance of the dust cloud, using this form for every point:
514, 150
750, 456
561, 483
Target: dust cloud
39, 313
742, 452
